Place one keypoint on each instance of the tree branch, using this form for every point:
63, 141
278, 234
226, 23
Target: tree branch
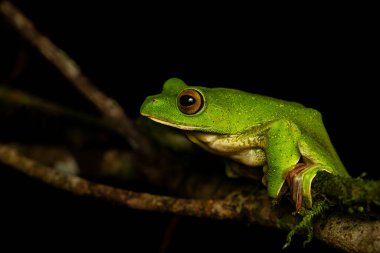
334, 230
21, 98
349, 234
68, 67
219, 209
343, 232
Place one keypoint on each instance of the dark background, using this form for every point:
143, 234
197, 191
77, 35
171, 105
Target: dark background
324, 59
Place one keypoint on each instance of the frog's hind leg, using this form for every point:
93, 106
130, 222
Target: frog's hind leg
300, 179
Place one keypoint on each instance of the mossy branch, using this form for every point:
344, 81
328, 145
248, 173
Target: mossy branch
239, 203
348, 192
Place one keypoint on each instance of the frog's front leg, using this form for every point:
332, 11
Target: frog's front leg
282, 154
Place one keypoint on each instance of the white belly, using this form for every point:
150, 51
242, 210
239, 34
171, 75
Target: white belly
243, 150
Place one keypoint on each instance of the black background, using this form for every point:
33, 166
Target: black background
325, 59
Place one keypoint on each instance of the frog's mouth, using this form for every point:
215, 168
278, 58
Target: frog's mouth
182, 127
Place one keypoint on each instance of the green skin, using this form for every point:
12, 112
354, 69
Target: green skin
285, 138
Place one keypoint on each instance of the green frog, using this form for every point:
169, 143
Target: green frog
286, 139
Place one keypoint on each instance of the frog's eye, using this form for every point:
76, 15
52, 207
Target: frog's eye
190, 101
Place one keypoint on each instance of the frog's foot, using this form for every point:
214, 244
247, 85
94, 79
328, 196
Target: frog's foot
299, 180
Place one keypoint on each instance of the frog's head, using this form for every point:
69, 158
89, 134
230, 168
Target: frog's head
193, 108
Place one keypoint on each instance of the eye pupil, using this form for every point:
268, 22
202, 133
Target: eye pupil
186, 100
190, 101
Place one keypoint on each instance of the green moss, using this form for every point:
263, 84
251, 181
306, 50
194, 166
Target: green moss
357, 193
306, 224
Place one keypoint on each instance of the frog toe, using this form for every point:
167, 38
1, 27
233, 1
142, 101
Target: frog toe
307, 179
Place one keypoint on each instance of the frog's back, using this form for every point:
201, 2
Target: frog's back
261, 109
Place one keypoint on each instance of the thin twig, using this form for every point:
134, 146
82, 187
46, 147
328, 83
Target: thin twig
70, 69
220, 209
21, 98
347, 233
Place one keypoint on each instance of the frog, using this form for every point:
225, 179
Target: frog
287, 140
